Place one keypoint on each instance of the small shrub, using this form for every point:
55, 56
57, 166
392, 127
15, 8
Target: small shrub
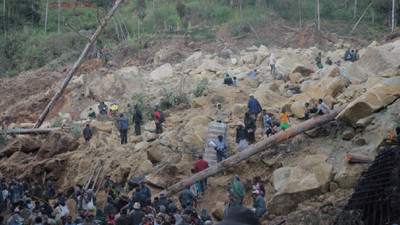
172, 99
200, 88
146, 108
76, 131
61, 122
224, 54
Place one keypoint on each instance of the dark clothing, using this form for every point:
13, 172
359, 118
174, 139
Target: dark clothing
159, 128
87, 133
329, 62
109, 207
100, 218
250, 125
347, 56
163, 202
137, 118
228, 81
136, 217
241, 134
52, 192
123, 220
254, 106
240, 216
205, 217
171, 208
37, 191
124, 136
145, 191
398, 139
186, 196
123, 124
137, 197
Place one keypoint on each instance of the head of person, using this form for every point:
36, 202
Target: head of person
220, 137
255, 70
128, 105
38, 220
247, 115
121, 115
136, 206
283, 110
78, 220
320, 101
348, 49
87, 125
142, 183
264, 112
69, 219
194, 215
234, 78
193, 171
251, 95
219, 105
255, 193
62, 202
319, 54
16, 210
226, 75
328, 58
187, 186
200, 156
90, 109
307, 104
239, 124
208, 222
135, 106
107, 176
203, 210
159, 219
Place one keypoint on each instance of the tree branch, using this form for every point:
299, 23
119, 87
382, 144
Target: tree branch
77, 32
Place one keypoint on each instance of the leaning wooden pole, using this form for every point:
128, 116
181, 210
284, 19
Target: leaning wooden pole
253, 150
71, 73
32, 131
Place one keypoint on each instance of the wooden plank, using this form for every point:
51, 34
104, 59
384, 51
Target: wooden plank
32, 131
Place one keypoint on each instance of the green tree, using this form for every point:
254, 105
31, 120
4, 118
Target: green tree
140, 8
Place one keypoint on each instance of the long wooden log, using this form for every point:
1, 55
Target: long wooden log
71, 73
32, 131
354, 158
92, 174
253, 150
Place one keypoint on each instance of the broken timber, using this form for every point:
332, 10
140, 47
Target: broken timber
38, 131
71, 73
254, 149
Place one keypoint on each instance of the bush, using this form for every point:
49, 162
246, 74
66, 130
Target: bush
61, 122
76, 131
146, 108
172, 99
200, 88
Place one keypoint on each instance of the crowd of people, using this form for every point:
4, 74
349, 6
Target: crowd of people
349, 56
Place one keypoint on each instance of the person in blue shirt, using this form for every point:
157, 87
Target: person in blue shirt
145, 191
253, 74
254, 107
258, 204
187, 196
220, 148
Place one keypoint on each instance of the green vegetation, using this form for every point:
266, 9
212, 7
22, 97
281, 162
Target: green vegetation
200, 88
147, 110
24, 44
173, 99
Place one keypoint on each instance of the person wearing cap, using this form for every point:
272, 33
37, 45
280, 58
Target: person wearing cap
123, 127
204, 215
241, 132
250, 125
15, 219
199, 166
137, 119
137, 196
186, 196
259, 206
239, 215
136, 214
228, 81
220, 148
145, 191
254, 107
218, 113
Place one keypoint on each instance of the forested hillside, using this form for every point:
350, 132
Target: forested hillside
34, 33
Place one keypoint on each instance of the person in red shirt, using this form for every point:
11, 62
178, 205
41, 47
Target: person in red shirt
157, 118
199, 166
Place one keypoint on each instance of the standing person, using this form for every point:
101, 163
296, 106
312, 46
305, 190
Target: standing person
136, 214
157, 120
257, 185
318, 60
123, 126
250, 125
15, 219
137, 118
186, 196
109, 206
123, 219
272, 63
145, 191
254, 107
235, 82
307, 111
238, 191
162, 117
51, 192
220, 148
199, 166
267, 123
87, 134
322, 108
241, 132
284, 119
218, 113
259, 206
204, 215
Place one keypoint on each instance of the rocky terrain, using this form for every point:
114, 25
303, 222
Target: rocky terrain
306, 178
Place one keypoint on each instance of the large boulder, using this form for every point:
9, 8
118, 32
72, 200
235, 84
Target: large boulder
163, 71
26, 144
57, 142
310, 177
371, 101
167, 175
197, 120
219, 210
349, 174
99, 126
297, 110
303, 70
280, 176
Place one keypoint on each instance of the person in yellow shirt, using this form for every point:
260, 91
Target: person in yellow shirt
284, 119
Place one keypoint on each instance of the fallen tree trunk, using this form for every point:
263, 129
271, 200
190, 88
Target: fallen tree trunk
71, 73
32, 131
253, 149
354, 158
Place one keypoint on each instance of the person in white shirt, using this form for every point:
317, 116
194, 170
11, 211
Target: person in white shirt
322, 108
272, 63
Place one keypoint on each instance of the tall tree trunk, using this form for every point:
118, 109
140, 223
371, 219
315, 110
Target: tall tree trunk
116, 28
253, 150
355, 9
4, 14
345, 4
299, 14
138, 29
59, 16
71, 73
33, 17
319, 24
232, 3
354, 27
241, 14
153, 6
393, 6
315, 8
372, 16
120, 28
126, 28
45, 19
